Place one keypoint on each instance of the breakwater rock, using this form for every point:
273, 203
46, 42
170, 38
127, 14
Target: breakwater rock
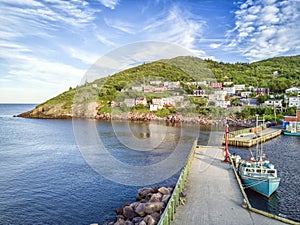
150, 204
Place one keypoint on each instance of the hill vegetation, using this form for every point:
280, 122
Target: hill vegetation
277, 74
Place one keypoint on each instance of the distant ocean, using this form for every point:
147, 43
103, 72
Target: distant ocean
44, 178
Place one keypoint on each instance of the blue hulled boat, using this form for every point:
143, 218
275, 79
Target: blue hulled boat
260, 176
291, 128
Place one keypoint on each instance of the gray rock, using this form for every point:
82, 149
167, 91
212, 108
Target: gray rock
166, 198
149, 220
128, 212
156, 216
142, 223
140, 209
156, 197
144, 192
137, 220
153, 207
164, 190
128, 222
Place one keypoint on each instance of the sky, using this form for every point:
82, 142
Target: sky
47, 46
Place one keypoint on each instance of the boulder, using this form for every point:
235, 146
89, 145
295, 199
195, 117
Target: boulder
149, 220
128, 212
153, 207
137, 220
140, 209
166, 198
143, 223
164, 190
144, 192
156, 197
155, 216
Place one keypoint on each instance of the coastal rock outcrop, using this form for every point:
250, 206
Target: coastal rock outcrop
147, 210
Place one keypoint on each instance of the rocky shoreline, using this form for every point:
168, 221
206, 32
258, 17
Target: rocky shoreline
46, 112
150, 204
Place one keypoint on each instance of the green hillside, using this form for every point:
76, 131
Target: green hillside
277, 73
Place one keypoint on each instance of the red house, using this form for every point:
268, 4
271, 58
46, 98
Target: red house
293, 118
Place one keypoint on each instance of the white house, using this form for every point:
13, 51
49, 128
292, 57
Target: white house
155, 82
230, 90
227, 83
137, 88
294, 101
219, 98
273, 102
293, 89
172, 85
245, 94
141, 101
239, 87
129, 102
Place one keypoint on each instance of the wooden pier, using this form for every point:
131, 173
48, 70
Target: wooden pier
248, 138
213, 194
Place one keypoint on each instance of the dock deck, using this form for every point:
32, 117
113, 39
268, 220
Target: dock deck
213, 194
250, 139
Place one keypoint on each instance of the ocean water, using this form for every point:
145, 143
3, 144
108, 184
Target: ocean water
45, 177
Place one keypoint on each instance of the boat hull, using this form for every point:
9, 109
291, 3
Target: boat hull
262, 185
291, 133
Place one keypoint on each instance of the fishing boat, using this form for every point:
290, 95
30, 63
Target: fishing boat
291, 128
291, 125
259, 174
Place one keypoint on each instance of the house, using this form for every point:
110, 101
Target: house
160, 89
222, 104
229, 90
294, 101
219, 99
292, 90
227, 83
155, 82
141, 101
137, 88
153, 107
273, 102
245, 94
148, 88
217, 85
239, 87
262, 91
293, 118
156, 104
178, 98
168, 102
199, 92
218, 96
198, 83
129, 102
172, 85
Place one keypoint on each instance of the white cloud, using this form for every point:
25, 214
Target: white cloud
177, 26
109, 3
265, 29
104, 40
120, 25
214, 45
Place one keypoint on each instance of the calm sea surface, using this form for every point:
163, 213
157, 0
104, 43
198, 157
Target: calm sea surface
44, 178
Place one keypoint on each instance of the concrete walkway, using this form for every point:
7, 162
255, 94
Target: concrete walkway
213, 195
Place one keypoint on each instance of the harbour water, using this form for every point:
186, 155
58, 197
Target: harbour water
45, 179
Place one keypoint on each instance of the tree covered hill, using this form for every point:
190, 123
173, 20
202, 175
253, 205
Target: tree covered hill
276, 73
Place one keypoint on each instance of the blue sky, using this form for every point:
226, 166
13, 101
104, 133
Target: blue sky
46, 46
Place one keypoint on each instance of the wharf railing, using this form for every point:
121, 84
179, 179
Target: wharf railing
174, 201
